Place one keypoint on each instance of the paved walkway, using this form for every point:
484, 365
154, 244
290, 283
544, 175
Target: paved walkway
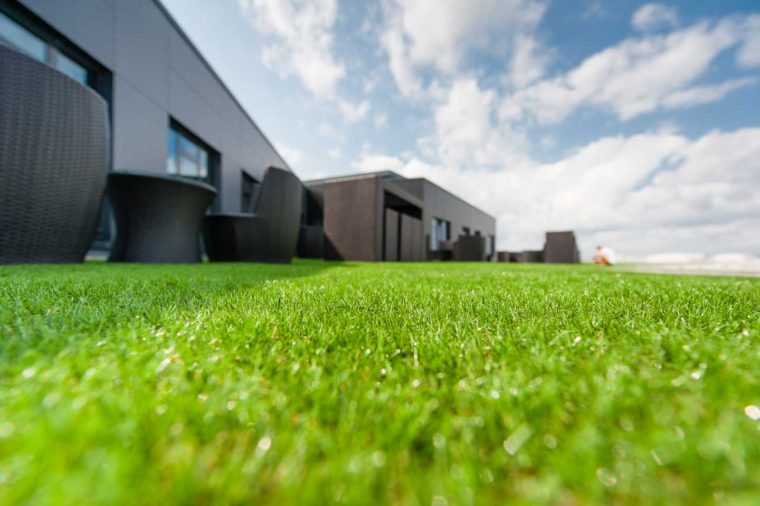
704, 268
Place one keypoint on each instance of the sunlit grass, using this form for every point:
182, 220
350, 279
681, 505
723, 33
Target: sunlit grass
360, 383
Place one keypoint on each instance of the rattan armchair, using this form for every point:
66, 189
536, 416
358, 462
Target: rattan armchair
54, 155
268, 235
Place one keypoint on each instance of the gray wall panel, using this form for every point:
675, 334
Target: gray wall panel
231, 119
139, 130
142, 48
189, 108
229, 187
185, 63
87, 23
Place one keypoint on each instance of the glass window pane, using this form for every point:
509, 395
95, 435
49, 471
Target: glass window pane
71, 68
187, 147
188, 167
21, 38
187, 158
204, 164
171, 160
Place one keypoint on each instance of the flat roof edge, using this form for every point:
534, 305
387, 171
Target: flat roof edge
452, 194
214, 73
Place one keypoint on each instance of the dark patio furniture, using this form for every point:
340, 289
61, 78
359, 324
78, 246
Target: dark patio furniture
54, 152
268, 235
470, 248
561, 247
443, 252
311, 242
158, 217
530, 256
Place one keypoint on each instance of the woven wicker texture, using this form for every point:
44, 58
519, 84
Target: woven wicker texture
158, 217
54, 152
269, 235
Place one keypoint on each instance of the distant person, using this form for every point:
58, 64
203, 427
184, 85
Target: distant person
604, 256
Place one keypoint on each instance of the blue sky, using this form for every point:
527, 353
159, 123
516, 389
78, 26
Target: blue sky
636, 124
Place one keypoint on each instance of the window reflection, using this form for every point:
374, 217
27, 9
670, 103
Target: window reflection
22, 39
186, 157
71, 68
441, 231
18, 37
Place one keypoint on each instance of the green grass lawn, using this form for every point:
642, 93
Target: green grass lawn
425, 384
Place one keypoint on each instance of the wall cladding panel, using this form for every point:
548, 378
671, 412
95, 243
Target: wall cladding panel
88, 23
142, 48
186, 63
139, 130
187, 107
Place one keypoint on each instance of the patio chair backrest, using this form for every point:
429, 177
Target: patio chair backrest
279, 202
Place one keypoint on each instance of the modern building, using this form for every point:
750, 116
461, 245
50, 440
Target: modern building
386, 217
170, 112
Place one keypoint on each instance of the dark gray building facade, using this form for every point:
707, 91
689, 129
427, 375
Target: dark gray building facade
170, 113
386, 217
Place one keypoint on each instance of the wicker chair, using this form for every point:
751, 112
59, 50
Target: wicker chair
268, 235
158, 217
54, 153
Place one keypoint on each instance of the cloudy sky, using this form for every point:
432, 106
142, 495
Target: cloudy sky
635, 124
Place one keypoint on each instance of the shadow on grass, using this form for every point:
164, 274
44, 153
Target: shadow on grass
47, 306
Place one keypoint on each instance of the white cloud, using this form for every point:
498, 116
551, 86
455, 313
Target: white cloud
381, 120
640, 194
748, 55
529, 61
334, 153
634, 77
467, 134
291, 155
353, 112
300, 40
654, 16
705, 94
377, 163
594, 9
435, 35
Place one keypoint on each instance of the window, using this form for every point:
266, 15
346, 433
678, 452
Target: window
249, 193
465, 230
72, 69
441, 231
25, 32
477, 232
27, 42
491, 245
188, 156
22, 39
